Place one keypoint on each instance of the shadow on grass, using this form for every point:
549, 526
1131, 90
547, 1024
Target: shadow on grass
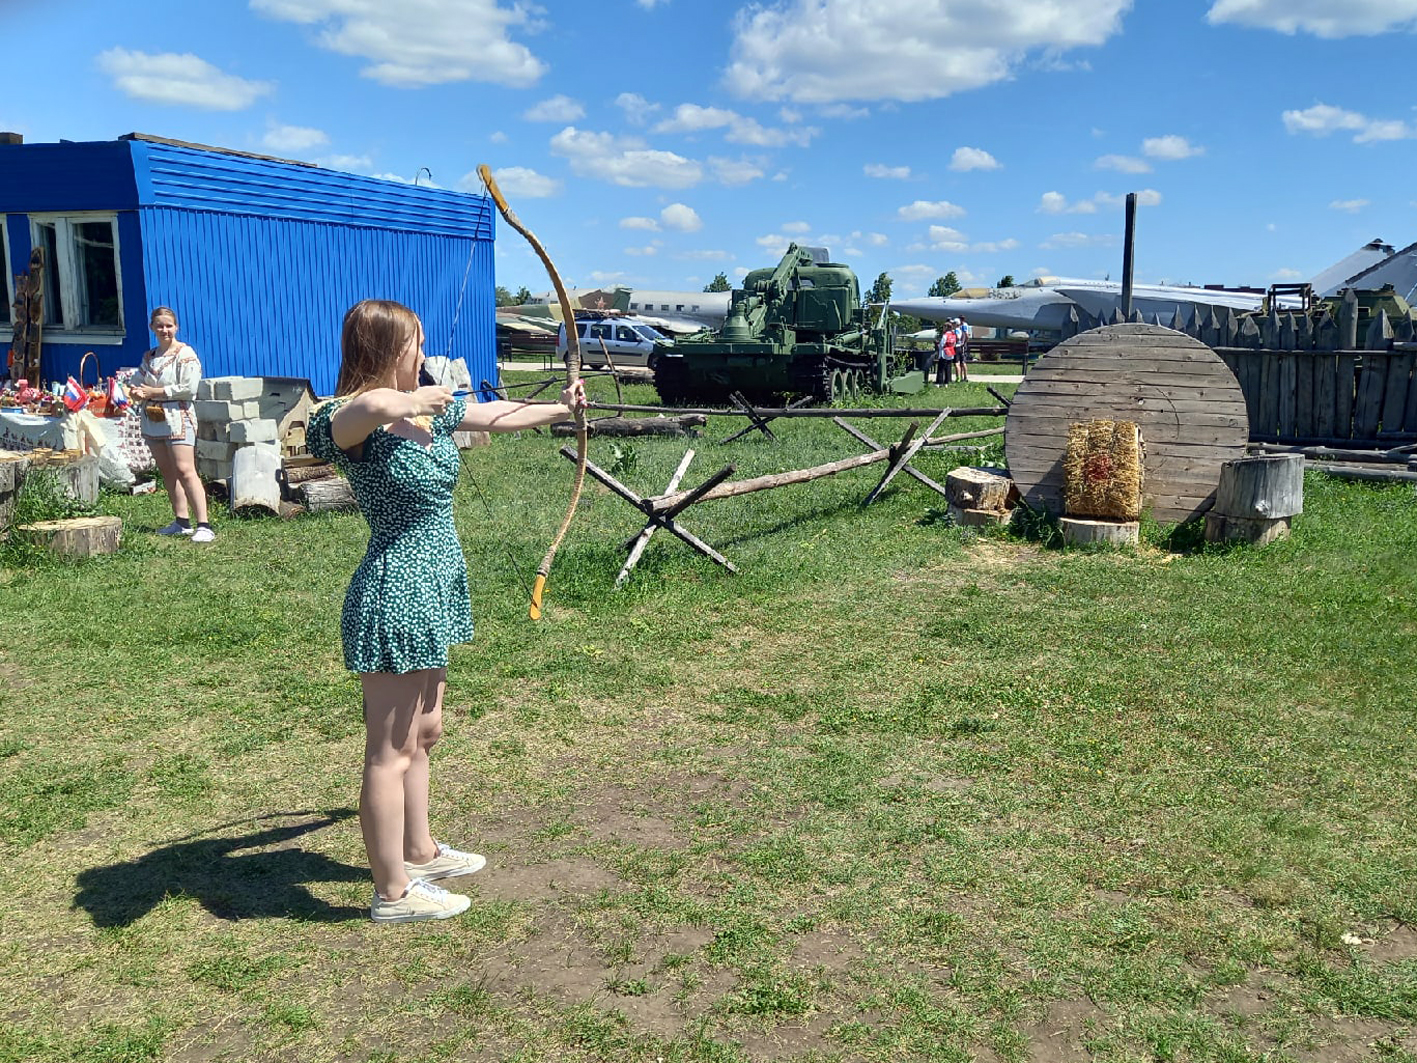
228, 881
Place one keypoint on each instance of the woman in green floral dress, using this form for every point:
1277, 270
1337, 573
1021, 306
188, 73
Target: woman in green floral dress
408, 600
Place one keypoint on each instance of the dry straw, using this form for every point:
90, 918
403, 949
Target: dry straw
1102, 472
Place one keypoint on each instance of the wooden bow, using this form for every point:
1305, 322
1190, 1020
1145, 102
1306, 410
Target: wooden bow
573, 374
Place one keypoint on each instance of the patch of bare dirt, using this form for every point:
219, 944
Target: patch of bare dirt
831, 951
576, 877
1398, 943
1060, 1037
808, 1036
1352, 1040
1250, 999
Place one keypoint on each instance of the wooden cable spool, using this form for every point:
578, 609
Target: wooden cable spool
1186, 403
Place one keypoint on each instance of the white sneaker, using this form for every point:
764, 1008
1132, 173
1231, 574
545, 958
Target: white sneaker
203, 535
175, 529
423, 900
449, 863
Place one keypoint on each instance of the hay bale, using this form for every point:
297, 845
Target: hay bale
1102, 470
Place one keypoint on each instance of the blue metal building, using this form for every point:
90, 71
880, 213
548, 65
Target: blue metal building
259, 257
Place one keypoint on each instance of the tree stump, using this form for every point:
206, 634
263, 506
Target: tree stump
1262, 487
967, 488
976, 518
1256, 499
77, 476
1080, 532
12, 476
79, 536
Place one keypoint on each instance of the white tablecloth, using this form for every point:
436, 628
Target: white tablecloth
117, 441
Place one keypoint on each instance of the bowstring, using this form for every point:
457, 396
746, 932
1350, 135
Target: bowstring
464, 466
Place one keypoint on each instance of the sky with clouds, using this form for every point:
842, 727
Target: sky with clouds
657, 142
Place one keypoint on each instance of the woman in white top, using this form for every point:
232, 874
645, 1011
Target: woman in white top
167, 385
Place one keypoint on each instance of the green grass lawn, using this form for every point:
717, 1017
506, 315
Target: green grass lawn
895, 792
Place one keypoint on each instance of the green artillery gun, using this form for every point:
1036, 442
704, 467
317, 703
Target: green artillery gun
795, 329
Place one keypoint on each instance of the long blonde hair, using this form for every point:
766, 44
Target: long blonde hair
376, 332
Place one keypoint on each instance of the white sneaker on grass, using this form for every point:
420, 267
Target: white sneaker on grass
422, 900
203, 535
449, 863
175, 529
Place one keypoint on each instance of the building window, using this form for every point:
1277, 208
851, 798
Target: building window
83, 290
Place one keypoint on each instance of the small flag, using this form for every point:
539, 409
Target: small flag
117, 395
74, 396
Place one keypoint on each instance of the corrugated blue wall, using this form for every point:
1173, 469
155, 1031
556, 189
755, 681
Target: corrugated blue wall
265, 296
261, 258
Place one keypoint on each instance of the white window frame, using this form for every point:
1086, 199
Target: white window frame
67, 272
9, 272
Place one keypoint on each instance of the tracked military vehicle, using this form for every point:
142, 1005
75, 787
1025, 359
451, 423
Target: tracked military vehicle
795, 329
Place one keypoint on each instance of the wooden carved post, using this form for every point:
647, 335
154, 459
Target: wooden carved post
1348, 321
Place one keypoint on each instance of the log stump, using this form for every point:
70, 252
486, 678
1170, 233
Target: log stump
1080, 532
13, 467
969, 488
79, 536
976, 518
1256, 499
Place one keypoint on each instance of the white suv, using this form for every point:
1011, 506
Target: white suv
625, 342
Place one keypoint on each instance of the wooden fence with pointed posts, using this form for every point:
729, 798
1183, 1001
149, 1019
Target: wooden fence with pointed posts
1308, 380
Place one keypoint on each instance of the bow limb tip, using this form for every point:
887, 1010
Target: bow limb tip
536, 590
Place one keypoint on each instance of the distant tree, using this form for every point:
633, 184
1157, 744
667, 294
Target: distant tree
503, 296
945, 286
719, 284
880, 291
1006, 281
523, 295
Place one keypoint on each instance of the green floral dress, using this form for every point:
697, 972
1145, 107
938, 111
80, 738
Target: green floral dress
408, 600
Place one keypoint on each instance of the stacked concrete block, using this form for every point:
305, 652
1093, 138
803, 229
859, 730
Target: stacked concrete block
235, 412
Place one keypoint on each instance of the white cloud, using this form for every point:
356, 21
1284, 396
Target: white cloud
515, 181
827, 51
775, 244
1285, 275
600, 276
1075, 239
1147, 197
1057, 203
1322, 119
648, 5
555, 109
646, 251
1323, 18
416, 43
1170, 147
1349, 206
944, 238
681, 218
896, 173
733, 172
636, 108
1122, 164
293, 138
647, 224
921, 210
797, 227
691, 118
353, 164
877, 239
843, 111
179, 80
973, 159
624, 160
706, 256
498, 137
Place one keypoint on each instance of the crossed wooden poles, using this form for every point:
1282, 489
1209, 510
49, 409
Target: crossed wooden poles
663, 511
